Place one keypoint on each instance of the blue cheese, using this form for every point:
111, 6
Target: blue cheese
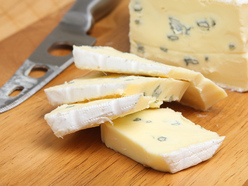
67, 119
197, 95
226, 71
107, 86
206, 36
161, 139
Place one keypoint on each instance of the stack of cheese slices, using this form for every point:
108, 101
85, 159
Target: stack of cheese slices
124, 96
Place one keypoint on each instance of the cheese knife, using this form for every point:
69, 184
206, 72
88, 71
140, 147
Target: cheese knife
72, 30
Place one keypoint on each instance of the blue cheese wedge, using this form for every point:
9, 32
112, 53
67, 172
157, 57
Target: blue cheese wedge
161, 139
206, 36
68, 119
201, 93
112, 86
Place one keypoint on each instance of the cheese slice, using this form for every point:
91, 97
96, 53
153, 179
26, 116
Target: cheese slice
68, 119
83, 89
161, 139
201, 93
210, 37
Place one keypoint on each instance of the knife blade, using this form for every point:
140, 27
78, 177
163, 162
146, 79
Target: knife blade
72, 30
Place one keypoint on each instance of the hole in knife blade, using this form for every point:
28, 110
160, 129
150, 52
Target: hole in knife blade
16, 91
37, 71
60, 49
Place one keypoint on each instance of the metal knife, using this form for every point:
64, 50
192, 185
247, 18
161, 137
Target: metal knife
72, 30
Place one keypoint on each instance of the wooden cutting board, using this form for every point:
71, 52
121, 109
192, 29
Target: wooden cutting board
30, 154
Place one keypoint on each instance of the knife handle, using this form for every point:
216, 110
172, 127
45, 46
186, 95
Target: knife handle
84, 13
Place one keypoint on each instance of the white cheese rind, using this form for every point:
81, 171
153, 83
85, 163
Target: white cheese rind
198, 95
210, 37
67, 119
235, 2
192, 155
161, 139
110, 60
84, 89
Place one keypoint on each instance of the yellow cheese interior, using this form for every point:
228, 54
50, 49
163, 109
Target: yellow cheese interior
150, 135
210, 37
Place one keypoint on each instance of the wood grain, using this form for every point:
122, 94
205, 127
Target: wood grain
32, 155
16, 15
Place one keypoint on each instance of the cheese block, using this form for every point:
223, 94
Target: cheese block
68, 119
201, 94
83, 89
161, 139
207, 36
229, 72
